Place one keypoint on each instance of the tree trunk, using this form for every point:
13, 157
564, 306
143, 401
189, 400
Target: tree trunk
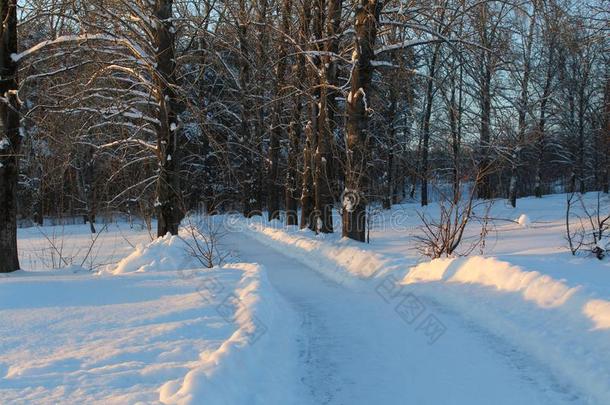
324, 174
580, 164
292, 172
295, 133
426, 128
248, 169
523, 109
390, 175
10, 138
260, 64
354, 202
312, 194
484, 186
170, 212
273, 184
455, 123
307, 186
606, 137
541, 139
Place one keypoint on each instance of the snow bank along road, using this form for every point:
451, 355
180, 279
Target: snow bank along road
385, 345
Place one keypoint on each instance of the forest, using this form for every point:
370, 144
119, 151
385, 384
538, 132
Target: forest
295, 109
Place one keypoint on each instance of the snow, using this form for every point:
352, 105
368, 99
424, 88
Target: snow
112, 242
531, 292
153, 328
363, 346
524, 221
163, 254
88, 339
332, 259
599, 312
576, 324
299, 318
543, 290
225, 376
71, 39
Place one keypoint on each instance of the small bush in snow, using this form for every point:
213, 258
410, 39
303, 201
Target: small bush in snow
443, 236
203, 241
591, 225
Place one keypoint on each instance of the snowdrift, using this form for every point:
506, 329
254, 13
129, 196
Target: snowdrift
340, 260
224, 376
559, 325
543, 290
169, 253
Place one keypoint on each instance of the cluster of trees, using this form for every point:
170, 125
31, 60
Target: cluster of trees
296, 107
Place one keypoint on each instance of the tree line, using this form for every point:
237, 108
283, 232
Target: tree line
295, 108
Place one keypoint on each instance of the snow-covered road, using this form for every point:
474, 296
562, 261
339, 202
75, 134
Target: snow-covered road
370, 347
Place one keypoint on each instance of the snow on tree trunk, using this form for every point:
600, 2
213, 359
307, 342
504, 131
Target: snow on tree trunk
389, 186
168, 131
273, 189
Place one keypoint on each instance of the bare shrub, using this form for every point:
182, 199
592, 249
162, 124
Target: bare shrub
443, 236
204, 240
591, 228
55, 256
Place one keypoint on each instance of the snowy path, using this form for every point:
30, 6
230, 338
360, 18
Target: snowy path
356, 349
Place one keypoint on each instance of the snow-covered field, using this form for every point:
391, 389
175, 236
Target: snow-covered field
154, 326
295, 318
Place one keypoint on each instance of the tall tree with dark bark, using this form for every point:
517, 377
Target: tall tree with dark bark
356, 168
605, 134
549, 35
10, 138
278, 129
311, 16
295, 129
486, 27
523, 105
168, 130
323, 174
425, 169
249, 125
